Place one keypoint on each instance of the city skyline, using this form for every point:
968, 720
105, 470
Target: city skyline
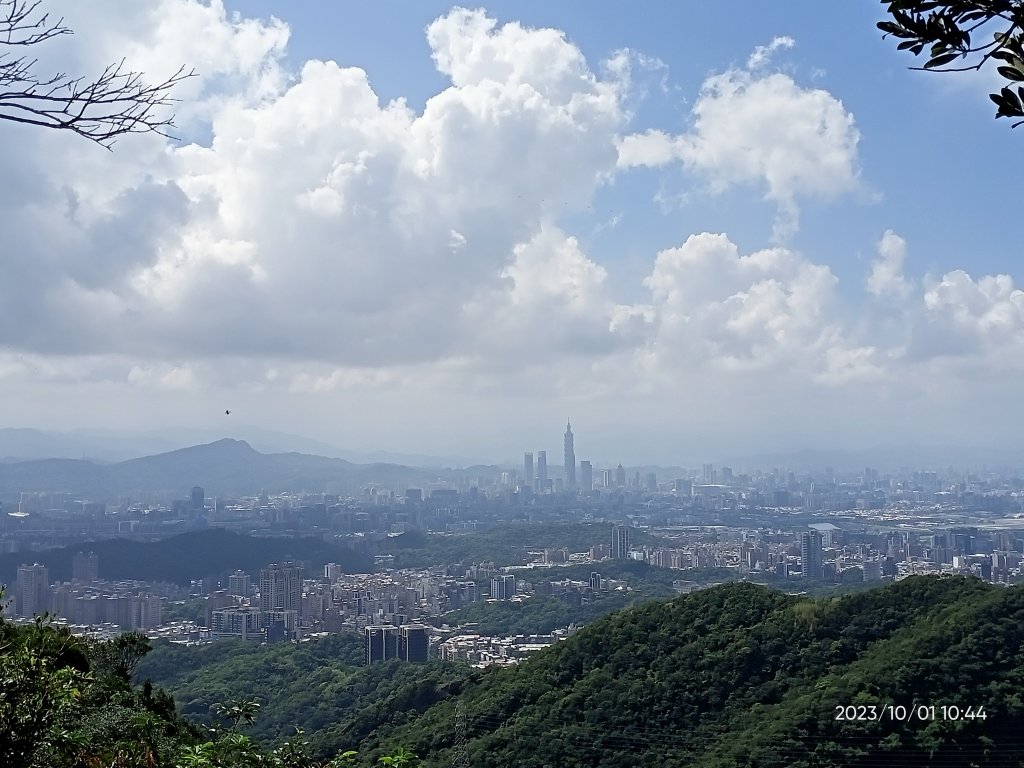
602, 247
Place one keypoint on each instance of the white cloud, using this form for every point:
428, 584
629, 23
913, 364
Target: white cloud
340, 378
971, 319
763, 53
317, 223
175, 377
762, 129
886, 277
795, 141
651, 148
316, 240
716, 307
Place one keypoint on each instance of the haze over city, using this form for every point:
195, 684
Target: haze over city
444, 231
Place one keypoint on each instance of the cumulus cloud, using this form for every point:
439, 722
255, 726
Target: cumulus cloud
318, 223
717, 307
756, 128
886, 277
971, 319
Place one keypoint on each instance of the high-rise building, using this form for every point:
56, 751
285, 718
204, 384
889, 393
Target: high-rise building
810, 554
651, 481
503, 587
281, 588
413, 642
620, 477
150, 611
569, 456
595, 581
32, 596
620, 542
242, 622
85, 568
197, 499
542, 470
528, 476
586, 476
381, 643
332, 572
239, 583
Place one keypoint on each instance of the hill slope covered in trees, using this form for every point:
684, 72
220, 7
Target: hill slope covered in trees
736, 675
743, 675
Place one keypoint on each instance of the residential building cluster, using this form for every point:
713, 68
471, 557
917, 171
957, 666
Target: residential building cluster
86, 600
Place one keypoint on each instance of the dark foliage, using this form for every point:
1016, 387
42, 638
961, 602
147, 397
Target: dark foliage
964, 35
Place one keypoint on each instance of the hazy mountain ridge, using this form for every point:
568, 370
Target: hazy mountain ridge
223, 467
112, 445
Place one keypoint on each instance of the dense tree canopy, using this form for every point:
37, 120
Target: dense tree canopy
67, 702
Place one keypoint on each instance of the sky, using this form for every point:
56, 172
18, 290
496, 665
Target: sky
419, 227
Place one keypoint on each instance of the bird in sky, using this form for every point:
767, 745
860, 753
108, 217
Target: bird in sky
227, 413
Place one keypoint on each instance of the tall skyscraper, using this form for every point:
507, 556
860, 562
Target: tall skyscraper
542, 469
810, 554
85, 568
32, 596
528, 476
586, 476
281, 588
620, 542
570, 458
620, 477
198, 499
413, 642
381, 643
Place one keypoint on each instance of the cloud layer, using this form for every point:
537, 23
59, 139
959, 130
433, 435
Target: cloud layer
310, 239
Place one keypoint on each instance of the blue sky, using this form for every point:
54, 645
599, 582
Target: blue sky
417, 227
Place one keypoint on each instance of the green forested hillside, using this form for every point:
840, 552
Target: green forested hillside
320, 686
69, 702
742, 675
736, 675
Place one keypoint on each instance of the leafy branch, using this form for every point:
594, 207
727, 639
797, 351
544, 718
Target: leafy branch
953, 32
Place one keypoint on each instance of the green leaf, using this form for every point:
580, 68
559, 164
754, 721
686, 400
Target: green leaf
1010, 73
941, 61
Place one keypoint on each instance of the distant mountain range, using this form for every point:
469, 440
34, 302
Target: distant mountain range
111, 445
222, 467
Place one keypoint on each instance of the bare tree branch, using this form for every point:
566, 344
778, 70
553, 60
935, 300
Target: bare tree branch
117, 102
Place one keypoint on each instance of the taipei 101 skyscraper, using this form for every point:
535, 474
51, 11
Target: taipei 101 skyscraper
570, 459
